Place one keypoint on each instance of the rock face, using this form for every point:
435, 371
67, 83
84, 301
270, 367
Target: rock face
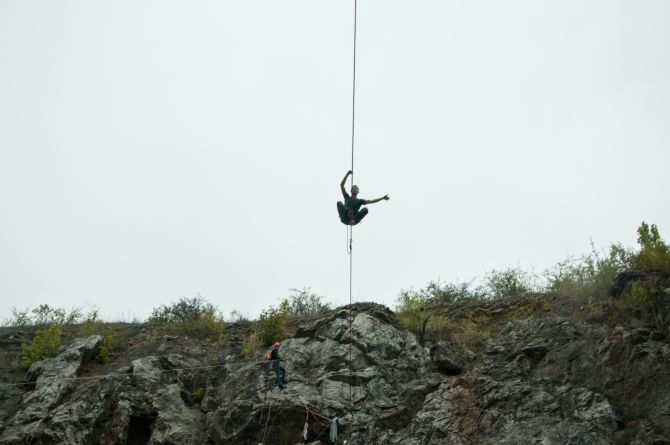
137, 404
552, 382
54, 379
446, 358
390, 374
541, 380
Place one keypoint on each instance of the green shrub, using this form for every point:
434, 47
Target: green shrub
592, 276
91, 325
423, 311
304, 303
271, 326
654, 253
445, 293
44, 315
186, 309
637, 303
508, 283
18, 318
413, 310
589, 277
45, 344
190, 316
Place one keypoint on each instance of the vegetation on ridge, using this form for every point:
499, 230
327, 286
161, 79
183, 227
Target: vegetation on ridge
577, 287
467, 313
190, 316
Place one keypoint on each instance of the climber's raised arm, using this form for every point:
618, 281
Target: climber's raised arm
344, 180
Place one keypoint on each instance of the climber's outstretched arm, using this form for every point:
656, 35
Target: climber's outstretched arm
372, 201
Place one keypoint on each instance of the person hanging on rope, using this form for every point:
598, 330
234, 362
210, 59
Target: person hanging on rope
277, 366
350, 210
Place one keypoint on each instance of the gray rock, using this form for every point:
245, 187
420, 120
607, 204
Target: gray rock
664, 306
384, 359
446, 358
54, 379
175, 423
138, 404
147, 371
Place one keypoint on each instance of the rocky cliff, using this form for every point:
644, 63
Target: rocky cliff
541, 378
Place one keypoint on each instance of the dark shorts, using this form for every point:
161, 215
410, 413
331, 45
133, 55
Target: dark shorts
345, 217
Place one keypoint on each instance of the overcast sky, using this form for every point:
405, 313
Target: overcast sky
153, 150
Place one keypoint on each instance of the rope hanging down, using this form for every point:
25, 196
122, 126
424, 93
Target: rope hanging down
350, 229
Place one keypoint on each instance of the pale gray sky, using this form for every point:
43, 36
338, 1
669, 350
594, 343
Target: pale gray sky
152, 150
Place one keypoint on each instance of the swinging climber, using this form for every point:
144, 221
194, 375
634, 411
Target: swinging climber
350, 211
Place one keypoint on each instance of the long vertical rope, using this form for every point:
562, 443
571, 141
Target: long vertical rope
353, 96
350, 229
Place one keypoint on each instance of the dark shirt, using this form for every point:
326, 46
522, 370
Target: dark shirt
274, 354
353, 204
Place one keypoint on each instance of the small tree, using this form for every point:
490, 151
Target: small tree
438, 292
44, 315
654, 253
413, 311
45, 344
271, 326
18, 318
304, 303
509, 283
193, 316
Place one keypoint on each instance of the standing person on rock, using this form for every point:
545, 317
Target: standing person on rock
350, 210
277, 366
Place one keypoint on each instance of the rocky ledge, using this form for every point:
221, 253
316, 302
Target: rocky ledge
541, 380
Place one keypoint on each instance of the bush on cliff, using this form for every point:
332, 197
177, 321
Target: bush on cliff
588, 277
190, 316
413, 309
303, 303
271, 326
45, 344
654, 253
44, 315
